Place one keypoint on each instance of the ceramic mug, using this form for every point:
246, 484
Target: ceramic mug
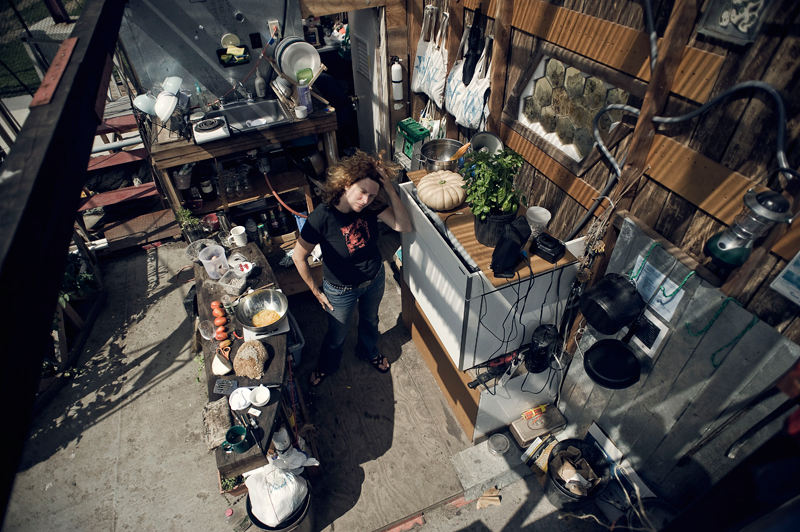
301, 111
238, 236
237, 440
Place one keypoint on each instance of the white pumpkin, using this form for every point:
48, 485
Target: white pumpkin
441, 190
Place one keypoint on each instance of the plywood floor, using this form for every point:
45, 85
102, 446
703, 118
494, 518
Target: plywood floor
385, 441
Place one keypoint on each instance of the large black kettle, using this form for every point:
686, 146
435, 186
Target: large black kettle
611, 304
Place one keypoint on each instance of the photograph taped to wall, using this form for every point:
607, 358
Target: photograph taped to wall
650, 333
787, 283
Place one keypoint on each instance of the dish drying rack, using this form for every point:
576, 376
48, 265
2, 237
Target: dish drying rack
289, 103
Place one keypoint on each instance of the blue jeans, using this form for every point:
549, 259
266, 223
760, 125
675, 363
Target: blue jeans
344, 301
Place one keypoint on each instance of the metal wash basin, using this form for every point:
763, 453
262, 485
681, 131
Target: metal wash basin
239, 114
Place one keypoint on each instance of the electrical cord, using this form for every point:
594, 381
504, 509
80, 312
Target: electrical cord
780, 141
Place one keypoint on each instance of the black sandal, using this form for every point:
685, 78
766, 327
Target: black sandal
378, 360
317, 376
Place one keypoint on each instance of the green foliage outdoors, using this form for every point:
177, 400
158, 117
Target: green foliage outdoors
489, 182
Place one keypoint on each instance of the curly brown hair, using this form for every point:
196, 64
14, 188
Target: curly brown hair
352, 169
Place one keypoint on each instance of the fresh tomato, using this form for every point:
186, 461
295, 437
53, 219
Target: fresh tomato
218, 313
216, 304
221, 336
221, 321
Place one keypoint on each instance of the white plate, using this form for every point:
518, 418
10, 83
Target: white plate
297, 56
239, 399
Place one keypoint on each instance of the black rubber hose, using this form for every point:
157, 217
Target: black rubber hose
780, 141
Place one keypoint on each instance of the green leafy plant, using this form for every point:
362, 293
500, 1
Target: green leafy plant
201, 365
489, 182
229, 483
75, 281
186, 218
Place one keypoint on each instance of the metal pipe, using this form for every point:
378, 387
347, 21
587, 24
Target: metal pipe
116, 145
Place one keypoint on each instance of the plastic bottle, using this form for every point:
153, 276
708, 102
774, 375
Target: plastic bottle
304, 96
261, 85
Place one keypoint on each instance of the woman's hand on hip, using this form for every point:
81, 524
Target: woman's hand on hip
323, 300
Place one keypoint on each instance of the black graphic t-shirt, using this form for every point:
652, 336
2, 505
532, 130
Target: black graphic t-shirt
349, 243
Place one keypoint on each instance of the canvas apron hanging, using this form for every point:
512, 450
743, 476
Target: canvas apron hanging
455, 88
419, 73
473, 109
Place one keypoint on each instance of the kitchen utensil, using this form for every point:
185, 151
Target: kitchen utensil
436, 154
611, 363
301, 111
224, 351
206, 329
461, 151
225, 386
239, 399
259, 396
214, 261
238, 237
250, 304
298, 56
611, 304
229, 39
485, 139
237, 440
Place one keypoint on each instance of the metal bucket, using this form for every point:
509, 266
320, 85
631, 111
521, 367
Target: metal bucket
435, 155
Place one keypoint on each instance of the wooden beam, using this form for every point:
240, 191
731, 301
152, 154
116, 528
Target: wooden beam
500, 54
618, 46
40, 186
318, 8
577, 188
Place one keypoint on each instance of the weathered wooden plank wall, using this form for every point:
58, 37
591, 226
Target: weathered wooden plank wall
736, 138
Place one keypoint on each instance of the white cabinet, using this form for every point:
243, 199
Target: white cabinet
476, 316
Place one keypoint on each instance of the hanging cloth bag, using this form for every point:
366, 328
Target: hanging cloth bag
419, 74
428, 120
454, 89
436, 70
472, 110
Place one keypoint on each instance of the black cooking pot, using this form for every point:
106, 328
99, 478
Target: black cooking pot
611, 363
611, 304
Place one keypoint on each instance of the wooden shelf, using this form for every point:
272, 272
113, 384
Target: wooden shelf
286, 182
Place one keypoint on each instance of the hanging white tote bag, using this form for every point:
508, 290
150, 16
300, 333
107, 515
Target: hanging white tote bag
472, 110
436, 70
454, 89
419, 74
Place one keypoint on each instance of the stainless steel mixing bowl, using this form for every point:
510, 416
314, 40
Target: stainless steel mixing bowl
264, 299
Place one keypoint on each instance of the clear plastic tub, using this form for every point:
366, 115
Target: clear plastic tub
214, 261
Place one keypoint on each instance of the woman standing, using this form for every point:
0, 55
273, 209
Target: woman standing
346, 228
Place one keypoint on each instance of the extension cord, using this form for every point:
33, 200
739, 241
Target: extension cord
512, 367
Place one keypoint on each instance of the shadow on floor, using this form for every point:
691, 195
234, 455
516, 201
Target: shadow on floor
118, 345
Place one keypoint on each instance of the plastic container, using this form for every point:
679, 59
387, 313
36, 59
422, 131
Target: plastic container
294, 341
214, 261
304, 96
554, 487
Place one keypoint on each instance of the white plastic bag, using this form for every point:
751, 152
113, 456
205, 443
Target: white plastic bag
418, 74
275, 494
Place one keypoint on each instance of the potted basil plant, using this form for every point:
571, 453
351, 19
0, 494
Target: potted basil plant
491, 194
